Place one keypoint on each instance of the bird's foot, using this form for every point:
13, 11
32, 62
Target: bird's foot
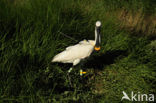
82, 72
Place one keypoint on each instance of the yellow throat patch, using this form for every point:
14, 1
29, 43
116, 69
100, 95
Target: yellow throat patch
97, 48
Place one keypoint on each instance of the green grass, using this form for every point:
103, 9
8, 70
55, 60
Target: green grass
29, 39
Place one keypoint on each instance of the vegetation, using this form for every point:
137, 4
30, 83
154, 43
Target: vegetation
30, 37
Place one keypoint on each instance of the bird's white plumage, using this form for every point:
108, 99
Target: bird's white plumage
74, 54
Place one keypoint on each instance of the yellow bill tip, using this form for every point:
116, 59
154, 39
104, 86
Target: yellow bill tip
97, 48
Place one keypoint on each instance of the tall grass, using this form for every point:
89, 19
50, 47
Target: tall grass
30, 37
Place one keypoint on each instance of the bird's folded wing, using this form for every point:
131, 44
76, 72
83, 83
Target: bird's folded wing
69, 47
83, 42
73, 52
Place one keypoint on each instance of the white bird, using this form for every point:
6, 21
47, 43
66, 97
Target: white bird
74, 54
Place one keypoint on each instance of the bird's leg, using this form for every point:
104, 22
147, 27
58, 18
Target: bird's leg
81, 70
71, 68
69, 79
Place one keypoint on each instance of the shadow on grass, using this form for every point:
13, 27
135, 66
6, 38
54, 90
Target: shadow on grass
98, 62
95, 62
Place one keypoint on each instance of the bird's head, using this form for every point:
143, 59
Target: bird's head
97, 36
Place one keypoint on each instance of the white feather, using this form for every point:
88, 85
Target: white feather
74, 54
77, 52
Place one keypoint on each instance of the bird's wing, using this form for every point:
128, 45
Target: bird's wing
72, 53
69, 47
92, 42
84, 42
81, 42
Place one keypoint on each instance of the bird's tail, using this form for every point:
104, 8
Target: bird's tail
59, 57
55, 58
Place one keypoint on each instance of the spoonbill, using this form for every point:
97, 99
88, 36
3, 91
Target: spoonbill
74, 54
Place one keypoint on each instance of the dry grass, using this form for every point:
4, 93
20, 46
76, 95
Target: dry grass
137, 22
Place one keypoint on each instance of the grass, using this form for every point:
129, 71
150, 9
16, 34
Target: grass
29, 39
